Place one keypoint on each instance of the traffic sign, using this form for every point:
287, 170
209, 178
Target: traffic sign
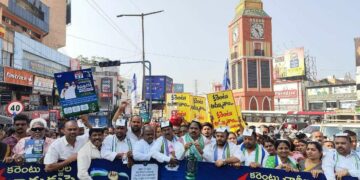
14, 107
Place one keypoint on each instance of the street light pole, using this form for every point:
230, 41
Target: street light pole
142, 15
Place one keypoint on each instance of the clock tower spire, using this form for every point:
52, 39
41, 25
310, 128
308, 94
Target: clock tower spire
250, 42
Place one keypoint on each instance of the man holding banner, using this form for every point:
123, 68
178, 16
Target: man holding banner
193, 141
252, 154
222, 152
167, 148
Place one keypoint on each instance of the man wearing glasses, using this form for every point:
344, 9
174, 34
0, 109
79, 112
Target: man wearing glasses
33, 148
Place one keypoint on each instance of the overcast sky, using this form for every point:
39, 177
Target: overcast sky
189, 40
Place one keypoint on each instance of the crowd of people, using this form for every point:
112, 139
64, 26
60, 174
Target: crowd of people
131, 140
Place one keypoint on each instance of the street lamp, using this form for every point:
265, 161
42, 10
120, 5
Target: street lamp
142, 15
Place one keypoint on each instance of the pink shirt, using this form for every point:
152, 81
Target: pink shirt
20, 146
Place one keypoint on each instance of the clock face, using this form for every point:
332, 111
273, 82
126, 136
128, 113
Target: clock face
235, 34
257, 31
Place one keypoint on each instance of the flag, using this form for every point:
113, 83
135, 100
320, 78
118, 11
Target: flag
133, 92
226, 80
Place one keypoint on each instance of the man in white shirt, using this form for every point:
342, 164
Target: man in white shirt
118, 146
222, 152
343, 161
251, 153
167, 148
134, 132
193, 141
207, 131
91, 150
63, 151
142, 147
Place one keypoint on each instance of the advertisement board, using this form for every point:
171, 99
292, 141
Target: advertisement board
288, 90
178, 88
43, 85
291, 64
106, 85
19, 77
160, 85
357, 51
318, 91
77, 92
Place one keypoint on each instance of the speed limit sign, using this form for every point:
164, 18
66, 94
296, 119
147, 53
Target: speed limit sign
14, 107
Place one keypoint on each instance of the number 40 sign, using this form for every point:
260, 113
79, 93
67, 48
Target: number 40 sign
14, 107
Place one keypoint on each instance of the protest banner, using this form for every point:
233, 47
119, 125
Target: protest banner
198, 109
77, 92
100, 169
179, 103
223, 110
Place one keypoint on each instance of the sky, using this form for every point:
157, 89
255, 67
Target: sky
189, 40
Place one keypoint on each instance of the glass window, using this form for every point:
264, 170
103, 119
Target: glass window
252, 73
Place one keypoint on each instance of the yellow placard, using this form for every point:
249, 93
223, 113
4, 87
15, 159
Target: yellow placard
181, 102
198, 109
223, 110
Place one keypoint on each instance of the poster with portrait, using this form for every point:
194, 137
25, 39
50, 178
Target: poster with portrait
77, 92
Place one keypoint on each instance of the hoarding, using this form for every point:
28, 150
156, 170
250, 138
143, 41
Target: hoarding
77, 92
178, 88
357, 51
43, 85
160, 85
291, 64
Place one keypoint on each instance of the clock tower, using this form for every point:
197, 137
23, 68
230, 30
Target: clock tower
250, 64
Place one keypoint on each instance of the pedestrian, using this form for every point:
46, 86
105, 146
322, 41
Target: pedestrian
252, 153
118, 146
63, 151
222, 152
194, 141
282, 159
343, 161
313, 161
90, 151
24, 147
142, 147
21, 122
167, 148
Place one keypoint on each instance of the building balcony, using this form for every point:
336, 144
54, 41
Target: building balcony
258, 52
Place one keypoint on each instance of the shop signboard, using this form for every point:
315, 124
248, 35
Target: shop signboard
43, 85
77, 92
18, 77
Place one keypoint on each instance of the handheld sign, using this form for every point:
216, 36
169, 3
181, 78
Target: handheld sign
14, 107
223, 109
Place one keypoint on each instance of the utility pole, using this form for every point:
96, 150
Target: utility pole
142, 15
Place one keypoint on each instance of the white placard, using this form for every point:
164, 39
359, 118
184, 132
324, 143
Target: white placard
142, 172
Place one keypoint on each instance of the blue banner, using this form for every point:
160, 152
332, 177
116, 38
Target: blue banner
100, 169
77, 92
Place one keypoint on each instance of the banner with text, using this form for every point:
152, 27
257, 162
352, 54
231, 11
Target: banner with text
100, 169
179, 103
77, 92
223, 110
198, 109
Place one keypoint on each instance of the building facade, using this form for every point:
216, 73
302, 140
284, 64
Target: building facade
325, 96
31, 31
250, 64
289, 96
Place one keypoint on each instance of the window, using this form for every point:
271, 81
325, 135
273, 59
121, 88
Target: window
7, 58
265, 74
233, 76
331, 105
252, 73
258, 50
316, 106
239, 75
68, 11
